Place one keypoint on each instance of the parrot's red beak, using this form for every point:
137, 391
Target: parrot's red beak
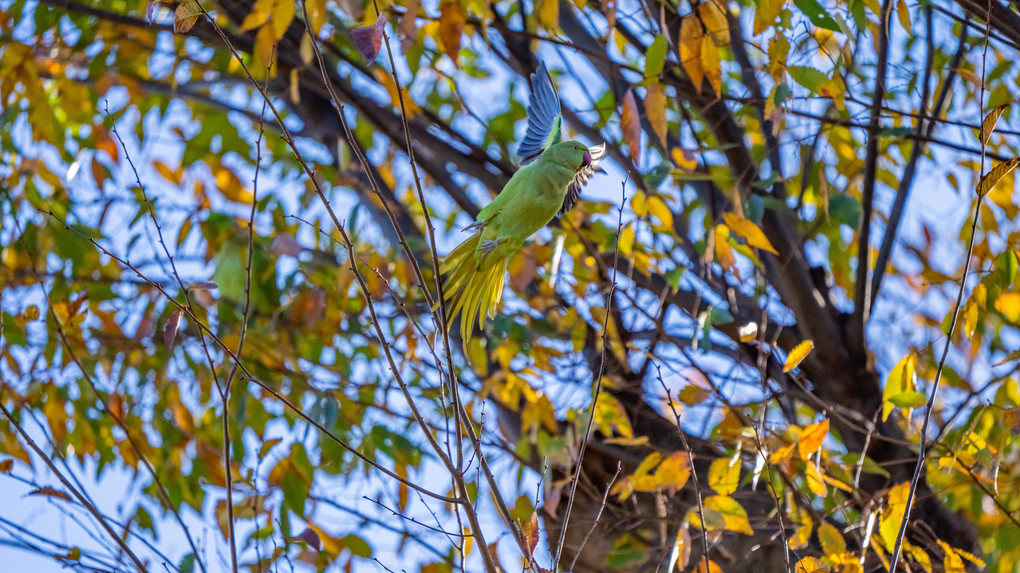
586, 159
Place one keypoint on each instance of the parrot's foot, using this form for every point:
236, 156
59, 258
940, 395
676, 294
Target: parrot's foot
488, 246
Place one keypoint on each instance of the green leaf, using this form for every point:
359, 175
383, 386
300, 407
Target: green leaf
908, 399
187, 564
808, 77
655, 58
817, 14
358, 546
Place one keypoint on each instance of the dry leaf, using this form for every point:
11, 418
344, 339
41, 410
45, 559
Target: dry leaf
630, 125
655, 108
368, 39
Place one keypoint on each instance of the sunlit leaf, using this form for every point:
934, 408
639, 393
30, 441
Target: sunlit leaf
902, 378
997, 173
798, 354
811, 438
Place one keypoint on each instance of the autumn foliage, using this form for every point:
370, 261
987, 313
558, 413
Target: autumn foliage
780, 333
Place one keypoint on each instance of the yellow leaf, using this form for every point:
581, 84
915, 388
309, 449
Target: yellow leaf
723, 512
779, 48
258, 16
798, 354
811, 565
903, 14
684, 159
658, 209
1009, 305
902, 378
892, 517
711, 63
638, 204
316, 15
626, 242
630, 125
952, 562
765, 14
754, 236
723, 250
452, 18
814, 479
711, 567
673, 472
724, 475
782, 454
690, 50
802, 535
264, 54
988, 123
811, 438
831, 539
283, 13
713, 16
655, 108
993, 176
548, 13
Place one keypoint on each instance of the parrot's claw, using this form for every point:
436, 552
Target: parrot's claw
488, 246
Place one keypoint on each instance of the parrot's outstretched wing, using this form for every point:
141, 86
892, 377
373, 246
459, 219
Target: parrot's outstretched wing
544, 117
574, 189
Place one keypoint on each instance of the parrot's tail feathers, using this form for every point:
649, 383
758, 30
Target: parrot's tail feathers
473, 284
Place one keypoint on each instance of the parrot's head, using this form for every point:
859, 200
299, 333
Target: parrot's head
572, 154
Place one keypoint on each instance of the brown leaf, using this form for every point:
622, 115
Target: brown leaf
368, 39
552, 501
6, 466
452, 17
170, 330
988, 124
993, 176
408, 25
655, 108
50, 492
630, 125
185, 16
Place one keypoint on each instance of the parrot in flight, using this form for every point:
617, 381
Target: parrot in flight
548, 183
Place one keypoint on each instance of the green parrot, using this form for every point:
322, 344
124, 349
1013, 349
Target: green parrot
548, 183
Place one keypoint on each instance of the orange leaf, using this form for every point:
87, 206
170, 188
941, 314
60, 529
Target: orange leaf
452, 17
811, 438
655, 108
690, 50
630, 125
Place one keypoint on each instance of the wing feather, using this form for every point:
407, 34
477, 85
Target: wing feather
543, 116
